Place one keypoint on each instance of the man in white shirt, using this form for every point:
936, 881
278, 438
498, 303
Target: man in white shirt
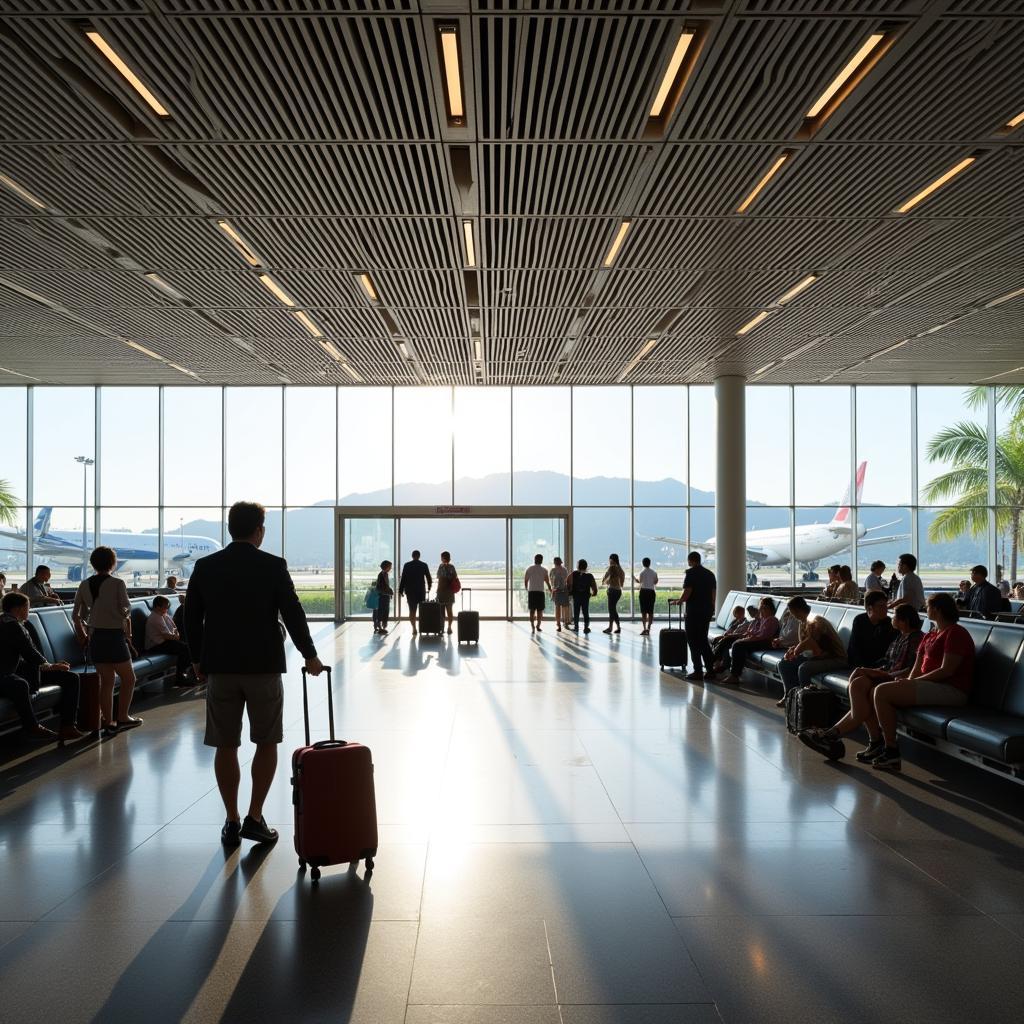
535, 579
162, 637
911, 589
648, 581
873, 580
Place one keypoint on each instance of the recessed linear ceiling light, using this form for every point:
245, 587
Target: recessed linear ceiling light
126, 72
308, 323
403, 350
848, 71
352, 373
367, 285
239, 243
467, 235
1005, 373
332, 350
751, 324
620, 237
275, 289
886, 351
14, 373
158, 282
1004, 298
478, 350
22, 192
635, 361
448, 34
936, 184
1014, 122
760, 186
671, 72
765, 368
796, 289
159, 358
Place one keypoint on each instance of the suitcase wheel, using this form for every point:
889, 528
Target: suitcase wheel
314, 874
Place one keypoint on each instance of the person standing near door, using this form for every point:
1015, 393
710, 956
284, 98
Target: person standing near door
559, 580
414, 585
582, 586
699, 591
447, 586
535, 579
648, 582
384, 595
613, 579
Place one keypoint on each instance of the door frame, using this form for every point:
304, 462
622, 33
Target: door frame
449, 512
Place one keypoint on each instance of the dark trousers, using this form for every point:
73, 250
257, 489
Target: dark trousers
382, 611
179, 649
613, 604
741, 650
17, 691
697, 638
581, 603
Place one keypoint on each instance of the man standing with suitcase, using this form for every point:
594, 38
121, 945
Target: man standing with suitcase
414, 584
699, 591
235, 599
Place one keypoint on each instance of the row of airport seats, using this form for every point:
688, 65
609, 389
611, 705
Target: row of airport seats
57, 639
989, 731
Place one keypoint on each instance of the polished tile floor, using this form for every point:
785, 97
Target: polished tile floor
568, 836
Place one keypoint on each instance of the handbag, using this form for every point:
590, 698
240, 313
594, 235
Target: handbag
456, 585
372, 599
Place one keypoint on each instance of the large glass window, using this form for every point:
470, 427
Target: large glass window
767, 428
189, 534
309, 548
134, 534
482, 431
74, 534
541, 445
768, 546
883, 534
659, 446
660, 535
13, 549
129, 446
253, 445
64, 421
310, 433
884, 425
14, 450
601, 419
822, 537
192, 446
364, 446
423, 446
597, 533
821, 429
703, 448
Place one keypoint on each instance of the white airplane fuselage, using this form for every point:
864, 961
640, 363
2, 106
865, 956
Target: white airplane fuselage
811, 543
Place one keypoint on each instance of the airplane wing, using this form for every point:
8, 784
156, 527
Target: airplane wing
866, 542
753, 555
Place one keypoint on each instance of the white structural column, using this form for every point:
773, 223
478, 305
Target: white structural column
730, 485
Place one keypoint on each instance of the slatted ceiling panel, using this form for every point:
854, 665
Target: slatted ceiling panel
157, 243
282, 6
988, 189
573, 179
86, 291
39, 243
758, 55
535, 287
432, 323
356, 180
597, 6
833, 7
555, 244
528, 322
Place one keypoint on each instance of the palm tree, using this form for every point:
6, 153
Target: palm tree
965, 446
1009, 396
8, 503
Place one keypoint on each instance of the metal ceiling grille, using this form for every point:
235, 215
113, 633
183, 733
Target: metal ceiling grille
313, 210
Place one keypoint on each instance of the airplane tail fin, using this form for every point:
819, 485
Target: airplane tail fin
41, 527
842, 516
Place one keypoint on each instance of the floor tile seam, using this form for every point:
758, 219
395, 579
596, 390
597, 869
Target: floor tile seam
901, 916
551, 968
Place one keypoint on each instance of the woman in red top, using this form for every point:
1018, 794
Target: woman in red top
942, 675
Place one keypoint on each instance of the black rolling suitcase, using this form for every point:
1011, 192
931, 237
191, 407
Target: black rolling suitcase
468, 622
811, 707
672, 644
431, 617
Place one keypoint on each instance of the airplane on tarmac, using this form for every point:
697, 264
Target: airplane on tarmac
812, 543
136, 552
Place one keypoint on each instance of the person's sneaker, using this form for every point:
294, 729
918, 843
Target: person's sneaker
870, 752
816, 739
229, 834
258, 831
695, 676
889, 758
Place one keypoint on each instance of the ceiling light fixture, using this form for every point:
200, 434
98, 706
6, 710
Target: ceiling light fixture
1014, 122
478, 350
403, 350
751, 324
159, 282
671, 72
634, 362
448, 36
849, 70
467, 235
126, 72
765, 368
352, 373
14, 373
886, 351
1004, 298
274, 288
762, 184
307, 322
159, 358
620, 237
796, 289
996, 376
21, 192
367, 286
332, 350
936, 184
239, 243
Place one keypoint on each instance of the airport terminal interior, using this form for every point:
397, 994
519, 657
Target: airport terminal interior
647, 282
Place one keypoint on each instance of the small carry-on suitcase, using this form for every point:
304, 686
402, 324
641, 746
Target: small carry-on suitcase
431, 617
811, 707
672, 644
468, 622
334, 800
89, 702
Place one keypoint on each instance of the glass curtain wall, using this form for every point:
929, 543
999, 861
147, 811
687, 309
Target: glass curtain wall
848, 475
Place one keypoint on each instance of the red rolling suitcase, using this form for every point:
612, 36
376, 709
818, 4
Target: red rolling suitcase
333, 796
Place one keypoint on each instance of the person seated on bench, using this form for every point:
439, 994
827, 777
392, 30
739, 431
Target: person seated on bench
38, 589
759, 637
738, 626
982, 598
819, 649
871, 632
170, 587
847, 591
162, 637
23, 669
3, 584
896, 664
830, 588
789, 631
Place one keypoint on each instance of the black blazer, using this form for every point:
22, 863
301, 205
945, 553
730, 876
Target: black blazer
17, 646
231, 611
415, 578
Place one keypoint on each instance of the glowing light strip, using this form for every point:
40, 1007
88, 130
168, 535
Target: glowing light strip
620, 237
682, 45
126, 72
759, 187
22, 192
936, 184
840, 80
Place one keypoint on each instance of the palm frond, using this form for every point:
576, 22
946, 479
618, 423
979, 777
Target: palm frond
953, 523
956, 485
960, 443
8, 504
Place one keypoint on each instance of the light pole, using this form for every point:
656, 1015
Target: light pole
85, 462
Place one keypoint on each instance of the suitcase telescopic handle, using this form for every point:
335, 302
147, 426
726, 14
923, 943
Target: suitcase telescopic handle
305, 701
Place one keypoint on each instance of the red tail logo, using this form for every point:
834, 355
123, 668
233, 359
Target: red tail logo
842, 516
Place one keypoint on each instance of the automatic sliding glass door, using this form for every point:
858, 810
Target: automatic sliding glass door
365, 544
530, 537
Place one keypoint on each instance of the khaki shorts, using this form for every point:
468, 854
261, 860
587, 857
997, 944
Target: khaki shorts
928, 692
227, 693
